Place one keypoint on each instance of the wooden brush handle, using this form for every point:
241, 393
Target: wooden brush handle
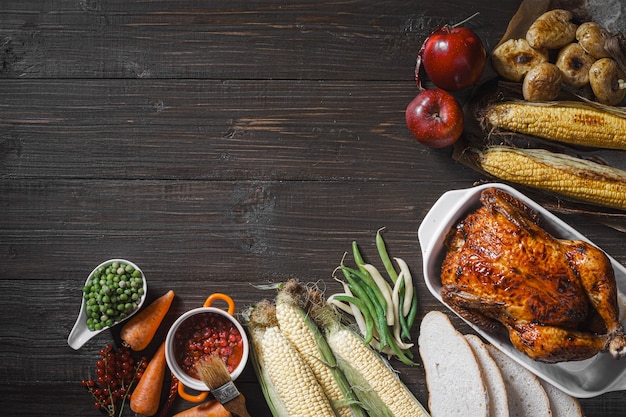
237, 406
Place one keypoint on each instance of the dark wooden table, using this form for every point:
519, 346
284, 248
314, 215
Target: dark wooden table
217, 145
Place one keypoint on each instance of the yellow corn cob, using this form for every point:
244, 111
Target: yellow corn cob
562, 174
303, 333
374, 382
568, 122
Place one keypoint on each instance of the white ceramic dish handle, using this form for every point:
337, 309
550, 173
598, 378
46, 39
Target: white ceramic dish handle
437, 221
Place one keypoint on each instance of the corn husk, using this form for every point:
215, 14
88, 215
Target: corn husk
369, 389
570, 177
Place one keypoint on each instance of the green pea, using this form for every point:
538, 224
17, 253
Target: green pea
111, 294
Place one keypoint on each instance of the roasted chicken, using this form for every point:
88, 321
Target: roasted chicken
556, 298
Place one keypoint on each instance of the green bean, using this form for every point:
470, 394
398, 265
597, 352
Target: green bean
358, 258
385, 291
384, 256
364, 293
369, 321
405, 330
380, 317
399, 352
388, 312
369, 281
410, 319
408, 280
111, 294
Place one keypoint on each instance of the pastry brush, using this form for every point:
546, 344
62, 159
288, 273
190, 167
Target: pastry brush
216, 377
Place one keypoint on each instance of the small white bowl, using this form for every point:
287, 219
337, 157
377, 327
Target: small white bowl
80, 334
170, 355
582, 379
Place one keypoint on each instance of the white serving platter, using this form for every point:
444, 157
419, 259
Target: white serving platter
581, 379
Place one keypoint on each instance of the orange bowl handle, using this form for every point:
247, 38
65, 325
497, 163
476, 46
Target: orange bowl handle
191, 398
223, 297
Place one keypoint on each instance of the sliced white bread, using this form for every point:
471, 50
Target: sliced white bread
498, 400
526, 395
561, 403
455, 382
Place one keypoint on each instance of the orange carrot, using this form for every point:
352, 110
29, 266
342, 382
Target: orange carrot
146, 396
141, 328
211, 408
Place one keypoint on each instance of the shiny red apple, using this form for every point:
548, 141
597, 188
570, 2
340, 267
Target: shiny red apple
435, 118
453, 58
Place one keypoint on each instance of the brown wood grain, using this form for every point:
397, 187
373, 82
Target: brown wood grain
218, 145
209, 130
226, 40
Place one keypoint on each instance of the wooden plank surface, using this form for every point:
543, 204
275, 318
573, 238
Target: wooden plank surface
227, 40
217, 145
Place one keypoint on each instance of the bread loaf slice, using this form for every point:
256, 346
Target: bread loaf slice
454, 379
561, 403
498, 400
526, 395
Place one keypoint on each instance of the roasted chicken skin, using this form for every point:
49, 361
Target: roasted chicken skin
556, 298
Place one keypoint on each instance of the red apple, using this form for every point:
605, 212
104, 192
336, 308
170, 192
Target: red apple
453, 58
435, 118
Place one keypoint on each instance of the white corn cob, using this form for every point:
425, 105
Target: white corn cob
374, 382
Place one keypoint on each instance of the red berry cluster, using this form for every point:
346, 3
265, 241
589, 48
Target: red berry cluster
117, 373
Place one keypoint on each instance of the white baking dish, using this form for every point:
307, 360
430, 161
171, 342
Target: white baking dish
582, 379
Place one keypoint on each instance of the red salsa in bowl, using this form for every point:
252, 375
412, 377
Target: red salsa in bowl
206, 334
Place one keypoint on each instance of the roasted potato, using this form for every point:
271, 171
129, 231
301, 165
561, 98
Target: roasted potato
607, 81
591, 36
574, 64
542, 82
552, 30
514, 58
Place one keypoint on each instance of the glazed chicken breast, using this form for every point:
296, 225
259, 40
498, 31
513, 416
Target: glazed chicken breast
556, 298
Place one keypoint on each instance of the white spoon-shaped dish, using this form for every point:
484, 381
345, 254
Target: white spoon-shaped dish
80, 334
